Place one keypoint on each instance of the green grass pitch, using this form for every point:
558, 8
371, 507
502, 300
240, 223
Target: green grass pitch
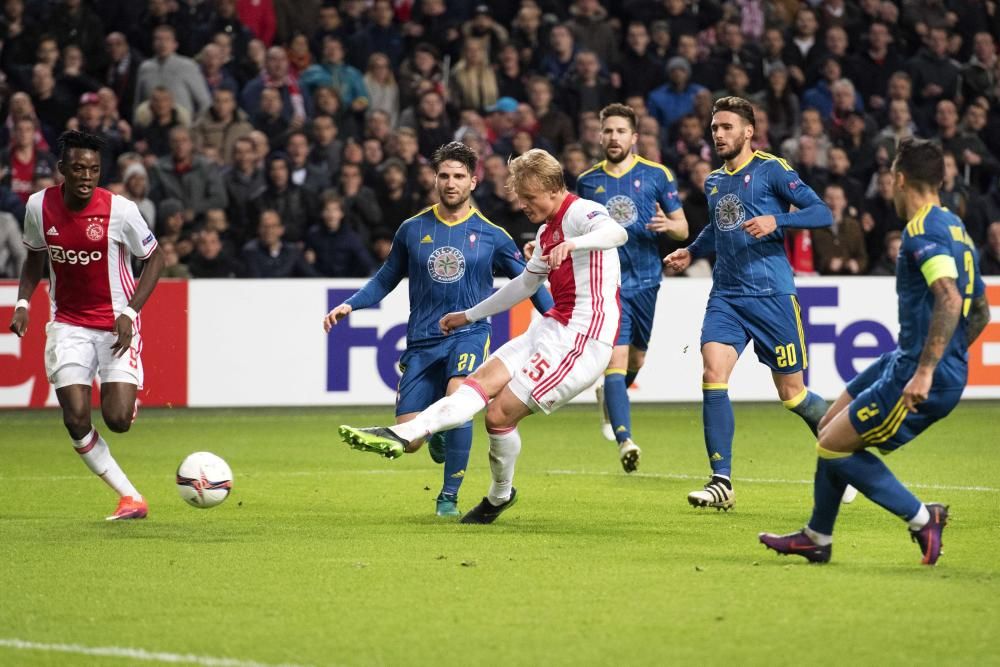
328, 556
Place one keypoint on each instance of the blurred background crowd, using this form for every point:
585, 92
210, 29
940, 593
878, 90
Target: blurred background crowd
275, 138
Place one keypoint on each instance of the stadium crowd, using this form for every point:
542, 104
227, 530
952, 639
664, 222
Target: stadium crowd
274, 138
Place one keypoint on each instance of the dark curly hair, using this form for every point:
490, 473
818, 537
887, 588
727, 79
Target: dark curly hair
458, 152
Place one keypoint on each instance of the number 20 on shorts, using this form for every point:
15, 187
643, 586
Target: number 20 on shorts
786, 355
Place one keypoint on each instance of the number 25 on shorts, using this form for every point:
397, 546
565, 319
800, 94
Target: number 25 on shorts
536, 367
785, 355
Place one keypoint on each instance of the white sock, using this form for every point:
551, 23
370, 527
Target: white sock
449, 412
95, 453
505, 446
920, 519
819, 538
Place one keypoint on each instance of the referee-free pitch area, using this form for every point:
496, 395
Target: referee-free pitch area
328, 556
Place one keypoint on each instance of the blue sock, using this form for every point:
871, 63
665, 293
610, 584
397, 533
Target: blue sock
828, 489
809, 406
459, 441
866, 472
630, 377
616, 400
720, 425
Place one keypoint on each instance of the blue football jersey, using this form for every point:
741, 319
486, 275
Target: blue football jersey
935, 232
631, 200
765, 185
450, 266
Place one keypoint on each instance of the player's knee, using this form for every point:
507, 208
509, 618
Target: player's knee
118, 421
496, 418
77, 422
712, 375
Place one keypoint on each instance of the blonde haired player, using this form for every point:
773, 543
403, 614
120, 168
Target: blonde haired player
560, 354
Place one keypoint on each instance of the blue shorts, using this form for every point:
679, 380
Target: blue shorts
636, 326
877, 411
426, 369
773, 323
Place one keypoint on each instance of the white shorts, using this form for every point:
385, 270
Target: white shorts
75, 355
549, 364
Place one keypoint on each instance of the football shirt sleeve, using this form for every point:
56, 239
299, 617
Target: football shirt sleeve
135, 232
589, 226
387, 277
667, 195
788, 187
931, 250
33, 237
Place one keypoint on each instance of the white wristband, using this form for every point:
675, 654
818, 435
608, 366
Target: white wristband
129, 313
21, 303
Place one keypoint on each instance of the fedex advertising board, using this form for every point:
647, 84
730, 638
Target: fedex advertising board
261, 342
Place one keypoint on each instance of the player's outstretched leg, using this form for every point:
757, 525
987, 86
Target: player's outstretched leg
720, 427
376, 439
620, 414
459, 444
505, 446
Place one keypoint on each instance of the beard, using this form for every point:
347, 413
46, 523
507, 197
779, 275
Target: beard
734, 151
622, 154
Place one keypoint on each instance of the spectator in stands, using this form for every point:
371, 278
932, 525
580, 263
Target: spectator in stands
210, 260
12, 249
660, 41
313, 176
511, 79
485, 28
211, 61
638, 70
270, 117
676, 98
179, 74
810, 125
584, 89
154, 120
839, 173
772, 48
935, 76
839, 14
423, 66
361, 209
430, 120
559, 56
122, 71
437, 26
871, 68
381, 35
330, 24
334, 73
381, 84
188, 177
72, 74
690, 142
20, 36
334, 250
979, 76
381, 245
396, 198
243, 181
136, 189
21, 162
221, 125
327, 148
171, 228
259, 17
975, 163
299, 56
900, 127
886, 264
275, 77
732, 50
879, 214
297, 207
473, 81
327, 102
989, 254
74, 22
172, 267
803, 52
554, 126
846, 103
52, 102
736, 83
781, 104
807, 163
962, 200
820, 96
592, 30
839, 249
267, 256
408, 150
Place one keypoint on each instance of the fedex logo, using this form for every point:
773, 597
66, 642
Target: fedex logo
348, 336
849, 343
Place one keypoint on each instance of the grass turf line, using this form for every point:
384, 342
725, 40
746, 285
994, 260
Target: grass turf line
332, 562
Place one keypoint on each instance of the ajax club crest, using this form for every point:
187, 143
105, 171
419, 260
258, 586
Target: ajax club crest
446, 264
623, 210
729, 213
95, 232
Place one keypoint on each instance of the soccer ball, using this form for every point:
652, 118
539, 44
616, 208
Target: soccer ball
204, 480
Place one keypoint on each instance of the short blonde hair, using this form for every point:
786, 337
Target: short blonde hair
537, 167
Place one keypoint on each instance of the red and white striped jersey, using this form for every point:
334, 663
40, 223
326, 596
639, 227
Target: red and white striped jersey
585, 287
90, 252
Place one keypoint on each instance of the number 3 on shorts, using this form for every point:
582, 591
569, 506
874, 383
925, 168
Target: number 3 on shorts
536, 367
785, 355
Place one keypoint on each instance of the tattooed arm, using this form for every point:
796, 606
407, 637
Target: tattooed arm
979, 317
944, 319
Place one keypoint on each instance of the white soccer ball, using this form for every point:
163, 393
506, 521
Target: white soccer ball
204, 480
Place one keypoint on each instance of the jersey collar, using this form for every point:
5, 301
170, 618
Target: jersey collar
735, 171
604, 167
450, 223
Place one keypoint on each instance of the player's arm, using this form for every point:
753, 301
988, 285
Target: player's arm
979, 317
941, 273
31, 275
509, 262
378, 286
812, 212
596, 231
505, 298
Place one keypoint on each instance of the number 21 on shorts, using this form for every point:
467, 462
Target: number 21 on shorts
536, 367
786, 355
